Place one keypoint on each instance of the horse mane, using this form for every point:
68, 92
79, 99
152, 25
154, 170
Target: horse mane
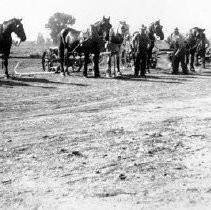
95, 28
11, 20
134, 33
96, 23
71, 30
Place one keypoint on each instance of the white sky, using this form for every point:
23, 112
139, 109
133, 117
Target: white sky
183, 14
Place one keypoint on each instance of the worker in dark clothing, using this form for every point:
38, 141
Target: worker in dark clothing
140, 44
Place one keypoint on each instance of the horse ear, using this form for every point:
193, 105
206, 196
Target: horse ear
21, 19
103, 17
109, 18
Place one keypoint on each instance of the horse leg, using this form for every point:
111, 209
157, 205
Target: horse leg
187, 57
197, 59
86, 61
108, 70
61, 57
66, 62
5, 62
114, 59
192, 54
123, 57
118, 64
148, 61
203, 61
96, 65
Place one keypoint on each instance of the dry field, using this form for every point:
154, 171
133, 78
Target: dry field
84, 143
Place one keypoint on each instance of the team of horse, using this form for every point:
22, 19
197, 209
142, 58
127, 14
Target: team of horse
101, 37
93, 43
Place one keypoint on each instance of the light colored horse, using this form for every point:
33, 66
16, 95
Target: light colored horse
117, 45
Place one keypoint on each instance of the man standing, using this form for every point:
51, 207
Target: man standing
140, 44
178, 44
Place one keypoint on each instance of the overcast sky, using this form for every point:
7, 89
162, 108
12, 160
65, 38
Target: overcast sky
183, 14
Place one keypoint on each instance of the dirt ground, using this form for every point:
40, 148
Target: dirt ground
83, 143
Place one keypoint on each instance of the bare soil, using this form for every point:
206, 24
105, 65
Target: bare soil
85, 143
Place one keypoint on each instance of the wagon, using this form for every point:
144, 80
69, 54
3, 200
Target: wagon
50, 60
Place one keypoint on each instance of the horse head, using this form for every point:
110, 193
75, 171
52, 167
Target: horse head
103, 27
196, 34
17, 28
158, 29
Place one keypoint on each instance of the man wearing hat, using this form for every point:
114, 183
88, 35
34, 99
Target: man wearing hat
178, 44
140, 44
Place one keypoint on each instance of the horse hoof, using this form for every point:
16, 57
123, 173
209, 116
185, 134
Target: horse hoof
62, 74
108, 75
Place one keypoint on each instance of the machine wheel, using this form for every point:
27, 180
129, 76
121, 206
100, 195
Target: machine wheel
46, 61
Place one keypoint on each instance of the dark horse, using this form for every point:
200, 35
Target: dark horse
92, 43
6, 29
155, 28
196, 42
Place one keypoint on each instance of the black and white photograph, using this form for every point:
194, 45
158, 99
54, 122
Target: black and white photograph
105, 105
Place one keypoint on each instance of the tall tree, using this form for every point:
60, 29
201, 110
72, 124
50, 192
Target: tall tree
57, 22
